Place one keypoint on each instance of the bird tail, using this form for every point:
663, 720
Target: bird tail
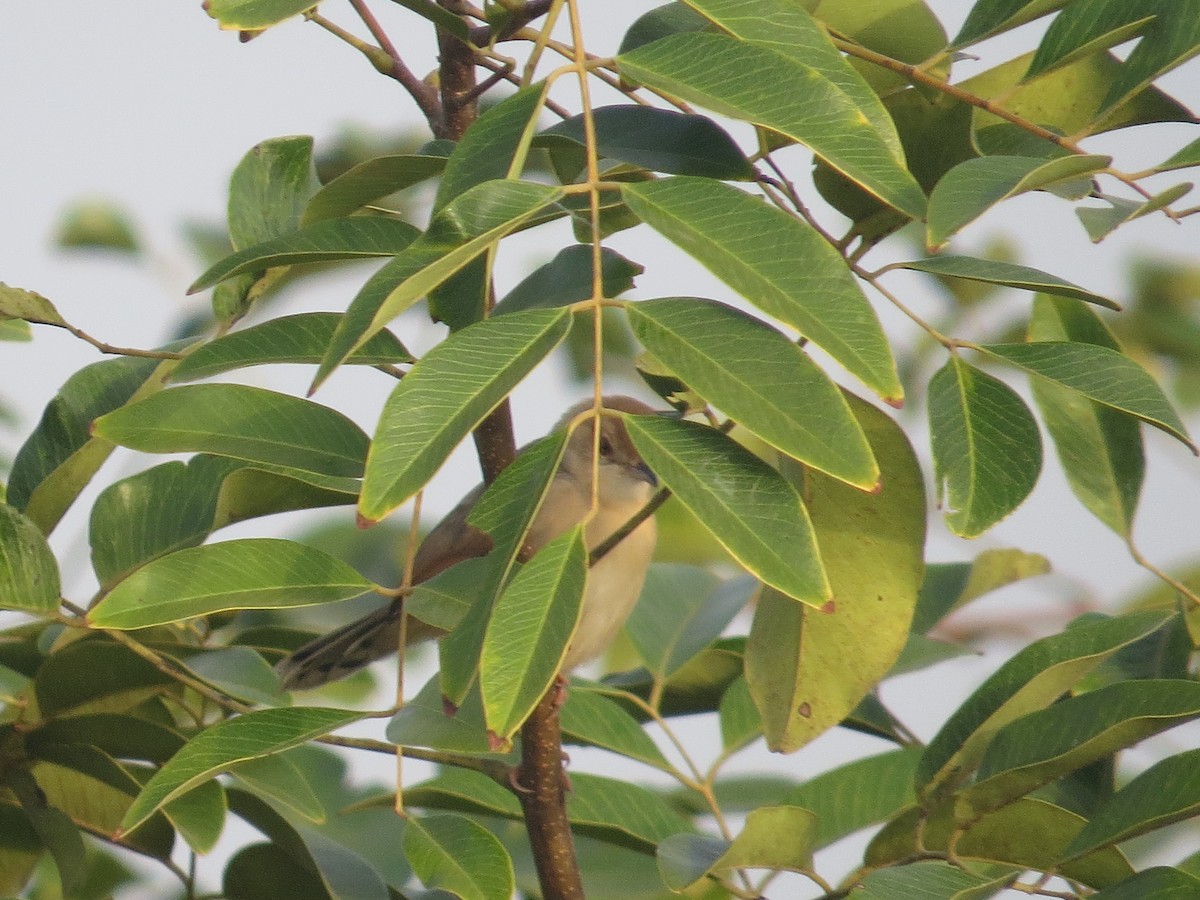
346, 650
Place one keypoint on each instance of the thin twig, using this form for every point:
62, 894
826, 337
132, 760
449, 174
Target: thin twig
105, 347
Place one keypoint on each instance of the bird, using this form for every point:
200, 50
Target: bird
625, 484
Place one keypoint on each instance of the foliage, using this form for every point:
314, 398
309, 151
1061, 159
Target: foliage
143, 716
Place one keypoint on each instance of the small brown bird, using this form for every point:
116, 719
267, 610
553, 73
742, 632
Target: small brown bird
613, 584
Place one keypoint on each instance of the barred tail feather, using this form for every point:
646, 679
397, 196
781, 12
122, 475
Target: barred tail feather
342, 652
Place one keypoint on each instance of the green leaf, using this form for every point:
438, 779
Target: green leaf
661, 140
251, 15
738, 716
1170, 35
359, 237
591, 718
529, 632
28, 570
774, 837
992, 271
989, 17
462, 790
467, 226
300, 338
987, 452
1167, 792
219, 746
95, 676
670, 18
808, 669
1049, 743
1186, 157
176, 505
279, 778
1100, 222
759, 378
443, 397
778, 263
748, 507
682, 609
442, 18
1100, 448
622, 813
252, 573
788, 28
1028, 834
948, 586
15, 330
1159, 882
756, 83
857, 794
60, 457
242, 422
1101, 374
971, 188
505, 513
54, 829
927, 879
1029, 681
457, 855
567, 279
369, 181
16, 303
120, 736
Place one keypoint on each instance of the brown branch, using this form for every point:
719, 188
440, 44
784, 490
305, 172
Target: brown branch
542, 792
456, 71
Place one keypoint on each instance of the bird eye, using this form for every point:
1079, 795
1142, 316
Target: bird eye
606, 447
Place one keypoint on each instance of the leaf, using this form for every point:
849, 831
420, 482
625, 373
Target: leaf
177, 505
661, 140
242, 422
760, 379
442, 18
16, 303
505, 513
756, 83
60, 457
219, 746
567, 279
1157, 881
1099, 447
857, 794
460, 856
778, 263
788, 28
590, 718
1049, 743
682, 609
1030, 680
992, 271
1101, 374
359, 237
1169, 32
973, 187
252, 15
989, 17
748, 507
1185, 157
808, 669
1028, 834
28, 570
529, 632
93, 676
300, 338
987, 452
928, 879
369, 181
443, 397
1167, 792
466, 227
738, 716
621, 813
1100, 222
774, 837
251, 573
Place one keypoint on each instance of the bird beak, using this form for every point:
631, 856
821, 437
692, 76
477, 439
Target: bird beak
643, 470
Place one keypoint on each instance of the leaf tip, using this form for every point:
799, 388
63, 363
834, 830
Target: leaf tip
498, 744
895, 402
449, 707
364, 522
829, 607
